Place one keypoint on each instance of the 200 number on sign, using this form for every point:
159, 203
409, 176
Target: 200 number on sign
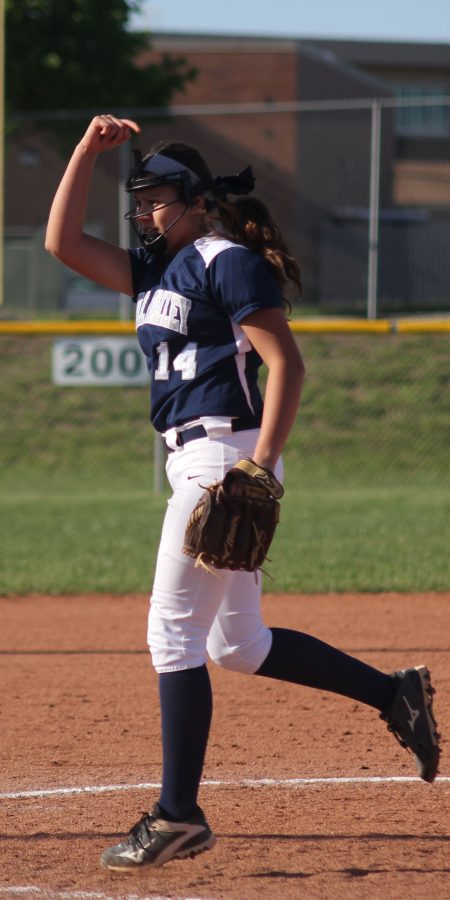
95, 361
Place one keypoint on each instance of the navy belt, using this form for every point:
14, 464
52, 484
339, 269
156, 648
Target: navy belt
199, 431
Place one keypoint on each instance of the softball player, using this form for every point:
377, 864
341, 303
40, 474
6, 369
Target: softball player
208, 285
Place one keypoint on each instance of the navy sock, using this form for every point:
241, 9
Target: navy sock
186, 709
303, 659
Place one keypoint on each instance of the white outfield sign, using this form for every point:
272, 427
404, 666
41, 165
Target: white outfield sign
105, 361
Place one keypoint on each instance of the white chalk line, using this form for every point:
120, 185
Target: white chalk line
28, 890
243, 782
48, 894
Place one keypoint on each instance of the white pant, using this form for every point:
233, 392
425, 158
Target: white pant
193, 612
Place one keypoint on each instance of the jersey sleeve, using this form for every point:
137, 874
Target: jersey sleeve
243, 283
144, 268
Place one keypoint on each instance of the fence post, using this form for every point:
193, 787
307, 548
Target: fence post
124, 228
2, 152
374, 210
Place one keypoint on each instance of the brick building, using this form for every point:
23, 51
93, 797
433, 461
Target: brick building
311, 167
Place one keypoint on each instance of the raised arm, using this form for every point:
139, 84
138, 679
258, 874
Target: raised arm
99, 260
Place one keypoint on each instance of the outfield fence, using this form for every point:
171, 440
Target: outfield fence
75, 403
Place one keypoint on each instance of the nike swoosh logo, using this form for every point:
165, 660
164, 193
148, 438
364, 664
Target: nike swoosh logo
189, 477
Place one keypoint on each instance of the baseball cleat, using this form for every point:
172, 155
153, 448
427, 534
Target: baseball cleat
153, 841
410, 718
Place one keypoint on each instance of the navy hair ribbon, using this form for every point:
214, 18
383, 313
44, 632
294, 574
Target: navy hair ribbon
243, 183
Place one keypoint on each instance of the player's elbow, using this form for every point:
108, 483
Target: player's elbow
63, 250
53, 245
296, 366
291, 367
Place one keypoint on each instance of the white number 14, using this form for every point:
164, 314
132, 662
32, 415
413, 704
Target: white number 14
185, 362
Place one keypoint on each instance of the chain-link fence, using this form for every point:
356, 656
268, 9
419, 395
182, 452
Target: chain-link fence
375, 411
360, 188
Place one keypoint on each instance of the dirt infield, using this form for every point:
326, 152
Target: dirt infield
290, 783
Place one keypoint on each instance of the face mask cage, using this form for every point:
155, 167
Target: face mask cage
140, 179
187, 186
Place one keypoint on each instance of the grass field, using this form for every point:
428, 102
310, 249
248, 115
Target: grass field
333, 540
367, 473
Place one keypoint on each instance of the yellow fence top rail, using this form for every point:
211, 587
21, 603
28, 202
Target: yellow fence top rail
299, 326
92, 326
420, 327
317, 326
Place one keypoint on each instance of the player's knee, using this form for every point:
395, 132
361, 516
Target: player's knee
235, 662
247, 657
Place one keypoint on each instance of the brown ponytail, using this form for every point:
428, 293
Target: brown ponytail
248, 221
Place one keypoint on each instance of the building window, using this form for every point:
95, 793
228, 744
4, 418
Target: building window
422, 119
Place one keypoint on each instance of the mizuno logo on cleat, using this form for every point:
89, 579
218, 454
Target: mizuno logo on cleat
414, 713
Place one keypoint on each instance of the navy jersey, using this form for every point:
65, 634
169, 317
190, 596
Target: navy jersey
187, 319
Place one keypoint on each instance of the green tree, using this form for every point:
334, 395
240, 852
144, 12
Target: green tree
78, 54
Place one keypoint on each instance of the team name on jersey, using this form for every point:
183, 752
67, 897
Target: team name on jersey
164, 308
